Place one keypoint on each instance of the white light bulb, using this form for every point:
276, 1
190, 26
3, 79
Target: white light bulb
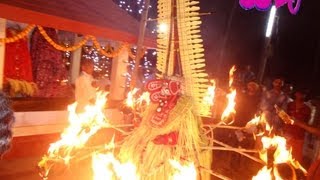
163, 28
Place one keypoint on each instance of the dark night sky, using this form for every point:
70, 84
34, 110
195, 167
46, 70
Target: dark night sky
296, 40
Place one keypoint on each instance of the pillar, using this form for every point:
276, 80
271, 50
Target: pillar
118, 78
2, 50
75, 61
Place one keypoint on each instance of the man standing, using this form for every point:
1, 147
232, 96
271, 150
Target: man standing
273, 97
85, 91
293, 133
87, 86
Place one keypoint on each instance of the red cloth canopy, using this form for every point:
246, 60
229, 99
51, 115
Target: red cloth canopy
101, 18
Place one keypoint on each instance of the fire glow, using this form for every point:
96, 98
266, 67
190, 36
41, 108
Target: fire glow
106, 166
130, 101
81, 127
209, 98
230, 109
281, 155
183, 172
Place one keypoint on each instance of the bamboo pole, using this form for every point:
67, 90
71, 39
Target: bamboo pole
240, 152
142, 29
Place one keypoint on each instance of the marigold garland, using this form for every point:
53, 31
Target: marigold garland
18, 36
105, 53
86, 38
59, 47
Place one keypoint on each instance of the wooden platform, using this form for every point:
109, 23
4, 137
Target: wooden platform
40, 104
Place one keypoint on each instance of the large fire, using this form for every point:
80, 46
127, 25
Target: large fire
281, 154
106, 166
81, 127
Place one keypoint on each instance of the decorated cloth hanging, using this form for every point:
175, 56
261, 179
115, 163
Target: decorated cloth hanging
17, 66
17, 59
49, 70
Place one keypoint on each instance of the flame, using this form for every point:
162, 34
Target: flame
231, 75
281, 155
183, 172
106, 166
263, 174
81, 127
208, 99
231, 98
130, 101
258, 126
230, 107
145, 97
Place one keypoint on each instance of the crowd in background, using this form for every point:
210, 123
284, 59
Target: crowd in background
254, 99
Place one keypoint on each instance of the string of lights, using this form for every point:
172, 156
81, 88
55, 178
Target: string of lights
102, 64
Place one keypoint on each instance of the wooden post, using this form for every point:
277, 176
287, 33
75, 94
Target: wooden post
2, 50
140, 50
264, 60
118, 78
75, 62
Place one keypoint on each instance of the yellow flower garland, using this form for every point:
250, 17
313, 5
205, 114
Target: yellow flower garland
112, 54
105, 53
59, 47
19, 36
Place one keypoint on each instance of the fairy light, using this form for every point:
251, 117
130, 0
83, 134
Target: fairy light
102, 64
135, 8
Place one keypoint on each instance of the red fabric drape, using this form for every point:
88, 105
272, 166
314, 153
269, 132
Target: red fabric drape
17, 59
49, 70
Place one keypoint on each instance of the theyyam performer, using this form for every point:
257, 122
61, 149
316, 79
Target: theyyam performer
170, 129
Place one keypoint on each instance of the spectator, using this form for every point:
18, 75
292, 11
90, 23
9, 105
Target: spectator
275, 96
87, 86
247, 104
248, 74
295, 134
314, 170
